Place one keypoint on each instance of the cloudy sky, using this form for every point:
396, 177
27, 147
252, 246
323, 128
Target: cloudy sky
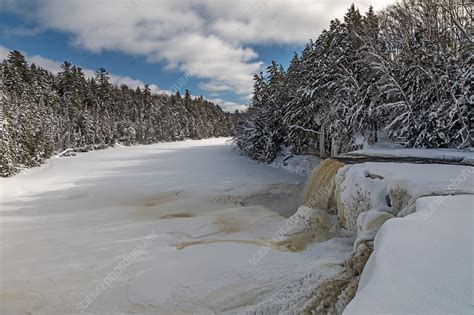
210, 47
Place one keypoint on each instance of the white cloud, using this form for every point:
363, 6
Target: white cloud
55, 67
214, 35
228, 106
50, 65
281, 22
4, 52
209, 39
214, 87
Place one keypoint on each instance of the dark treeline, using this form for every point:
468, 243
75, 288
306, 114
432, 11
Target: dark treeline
42, 113
406, 71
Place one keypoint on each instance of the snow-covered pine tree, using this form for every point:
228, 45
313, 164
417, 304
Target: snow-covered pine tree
43, 113
7, 156
406, 70
261, 132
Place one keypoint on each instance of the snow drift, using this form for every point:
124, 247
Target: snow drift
421, 265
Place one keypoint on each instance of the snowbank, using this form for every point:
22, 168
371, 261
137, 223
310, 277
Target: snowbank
370, 197
421, 264
394, 188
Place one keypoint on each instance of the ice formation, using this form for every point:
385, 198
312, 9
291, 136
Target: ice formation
351, 202
354, 201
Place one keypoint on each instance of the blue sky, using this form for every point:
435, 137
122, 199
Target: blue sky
210, 47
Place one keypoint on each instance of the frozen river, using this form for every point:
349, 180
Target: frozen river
95, 232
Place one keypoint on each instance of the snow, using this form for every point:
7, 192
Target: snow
421, 178
98, 232
299, 164
423, 259
372, 186
440, 154
421, 264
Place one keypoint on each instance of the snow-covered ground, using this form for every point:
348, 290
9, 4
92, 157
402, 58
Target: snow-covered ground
422, 264
422, 260
96, 232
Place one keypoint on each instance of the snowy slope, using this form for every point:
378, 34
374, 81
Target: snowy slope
421, 264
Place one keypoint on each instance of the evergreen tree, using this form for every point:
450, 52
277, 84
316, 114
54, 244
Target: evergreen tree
406, 70
42, 114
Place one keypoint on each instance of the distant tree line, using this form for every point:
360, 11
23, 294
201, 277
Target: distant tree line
42, 113
406, 71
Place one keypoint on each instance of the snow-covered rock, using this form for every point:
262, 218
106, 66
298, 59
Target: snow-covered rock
394, 188
358, 191
421, 264
368, 196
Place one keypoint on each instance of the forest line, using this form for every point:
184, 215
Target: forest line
43, 113
405, 71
